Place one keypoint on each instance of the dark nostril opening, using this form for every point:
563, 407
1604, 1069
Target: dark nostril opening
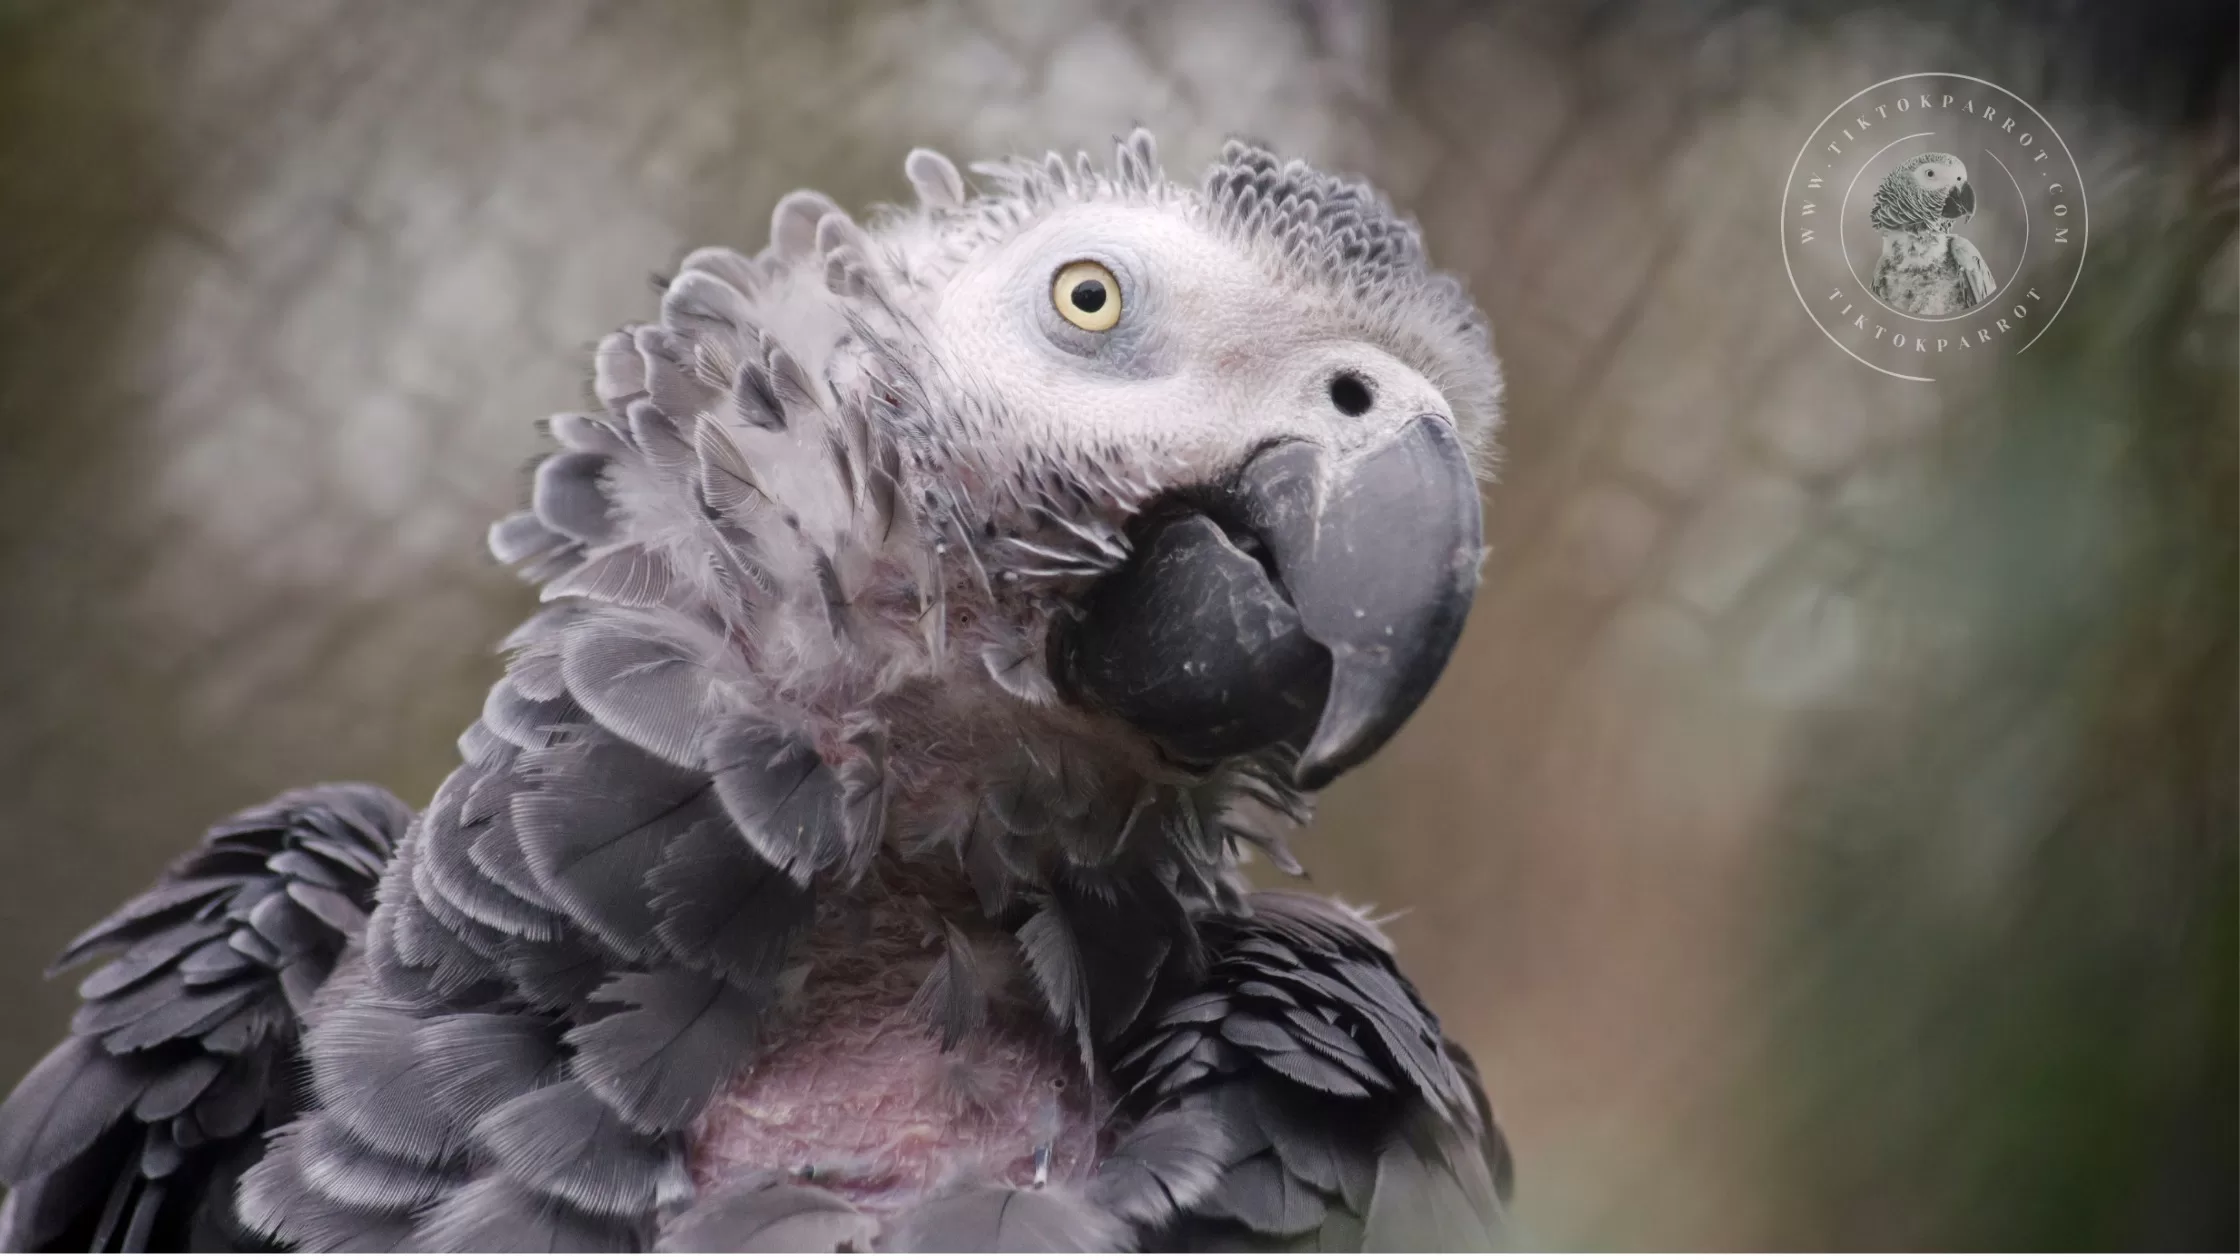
1350, 394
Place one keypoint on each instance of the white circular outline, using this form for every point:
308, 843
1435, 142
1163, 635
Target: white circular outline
2021, 199
2084, 205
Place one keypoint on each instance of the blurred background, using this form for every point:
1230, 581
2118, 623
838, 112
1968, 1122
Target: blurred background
1825, 837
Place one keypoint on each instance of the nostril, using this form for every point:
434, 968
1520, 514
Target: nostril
1351, 394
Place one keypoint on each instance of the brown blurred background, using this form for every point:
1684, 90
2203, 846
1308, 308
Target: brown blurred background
1826, 836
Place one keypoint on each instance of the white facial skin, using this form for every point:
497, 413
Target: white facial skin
1212, 357
1941, 176
1938, 178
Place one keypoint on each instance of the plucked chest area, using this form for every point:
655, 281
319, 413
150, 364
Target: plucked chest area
853, 1091
1918, 275
1916, 251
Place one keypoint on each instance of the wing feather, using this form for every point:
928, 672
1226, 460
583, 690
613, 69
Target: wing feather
1975, 273
134, 1131
1354, 1122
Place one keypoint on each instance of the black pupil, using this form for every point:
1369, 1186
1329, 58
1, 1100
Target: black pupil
1089, 295
1350, 394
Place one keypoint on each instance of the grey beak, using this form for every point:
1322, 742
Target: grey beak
1960, 202
1310, 602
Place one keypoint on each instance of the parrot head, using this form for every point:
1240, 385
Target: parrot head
1291, 398
1924, 190
1068, 500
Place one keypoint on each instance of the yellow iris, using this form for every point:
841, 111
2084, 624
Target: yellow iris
1087, 295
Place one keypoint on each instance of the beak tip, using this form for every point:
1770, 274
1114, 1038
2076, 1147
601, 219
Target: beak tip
1321, 763
1319, 767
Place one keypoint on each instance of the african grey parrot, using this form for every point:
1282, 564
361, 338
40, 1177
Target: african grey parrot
1925, 269
936, 612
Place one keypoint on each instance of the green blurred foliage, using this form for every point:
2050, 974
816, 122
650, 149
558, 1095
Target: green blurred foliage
2009, 984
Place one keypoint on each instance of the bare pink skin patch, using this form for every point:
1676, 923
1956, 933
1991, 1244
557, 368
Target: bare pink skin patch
852, 1091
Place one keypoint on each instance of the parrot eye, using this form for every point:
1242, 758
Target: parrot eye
1087, 295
